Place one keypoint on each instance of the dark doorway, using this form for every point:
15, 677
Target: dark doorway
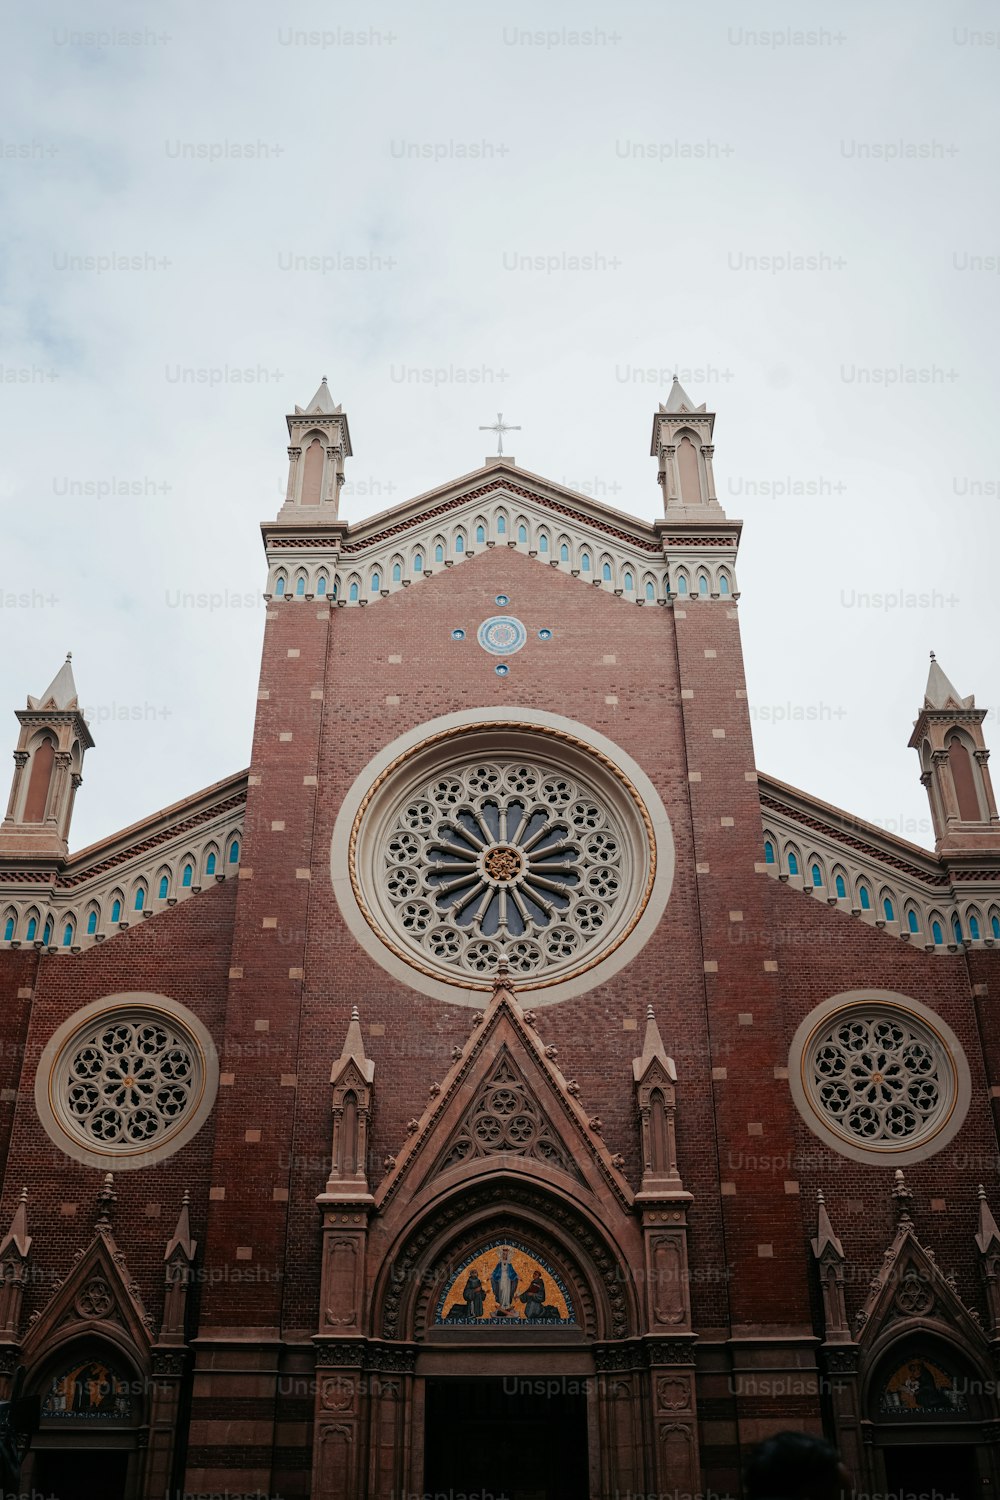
939, 1471
80, 1474
522, 1438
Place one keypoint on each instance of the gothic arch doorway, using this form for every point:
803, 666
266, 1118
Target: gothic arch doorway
89, 1441
931, 1419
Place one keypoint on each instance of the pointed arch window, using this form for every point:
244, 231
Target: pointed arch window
888, 910
376, 582
279, 587
91, 923
116, 910
723, 584
32, 929
188, 875
353, 594
865, 899
682, 584
140, 899
210, 863
995, 926
629, 583
480, 533
563, 553
702, 584
418, 563
650, 590
300, 587
793, 862
67, 941
974, 931
459, 542
164, 887
585, 563
768, 853
501, 524
956, 928
522, 533
397, 573
606, 572
817, 875
840, 887
8, 929
234, 851
936, 933
47, 934
439, 553
543, 542
912, 920
321, 585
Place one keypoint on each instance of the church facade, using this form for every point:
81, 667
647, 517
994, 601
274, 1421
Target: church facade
504, 1086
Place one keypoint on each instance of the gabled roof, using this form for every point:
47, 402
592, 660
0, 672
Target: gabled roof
61, 692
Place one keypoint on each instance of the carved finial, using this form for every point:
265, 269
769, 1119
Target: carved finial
825, 1240
106, 1199
649, 1013
901, 1193
501, 980
933, 657
355, 1013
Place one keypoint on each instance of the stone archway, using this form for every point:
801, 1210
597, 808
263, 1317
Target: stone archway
92, 1425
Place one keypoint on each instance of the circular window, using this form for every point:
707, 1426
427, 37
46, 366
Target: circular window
126, 1082
879, 1076
498, 843
502, 635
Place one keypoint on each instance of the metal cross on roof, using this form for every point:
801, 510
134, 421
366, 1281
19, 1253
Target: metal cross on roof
499, 427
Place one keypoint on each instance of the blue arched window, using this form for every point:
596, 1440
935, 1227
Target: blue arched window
32, 929
210, 864
840, 887
439, 553
703, 584
974, 928
460, 543
522, 533
650, 591
769, 853
279, 587
418, 563
164, 887
353, 594
397, 573
866, 900
300, 587
606, 572
585, 563
234, 851
817, 878
116, 911
911, 920
140, 899
936, 933
376, 582
91, 923
995, 926
47, 934
480, 533
629, 583
793, 863
68, 935
888, 910
321, 586
501, 525
723, 584
564, 553
682, 585
543, 542
8, 931
188, 875
956, 928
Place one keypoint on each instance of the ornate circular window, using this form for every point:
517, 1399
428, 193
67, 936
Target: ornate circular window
879, 1075
127, 1081
502, 842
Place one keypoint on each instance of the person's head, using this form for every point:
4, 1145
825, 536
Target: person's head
796, 1466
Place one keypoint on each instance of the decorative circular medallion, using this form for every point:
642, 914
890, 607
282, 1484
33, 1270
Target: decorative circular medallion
879, 1078
126, 1083
502, 635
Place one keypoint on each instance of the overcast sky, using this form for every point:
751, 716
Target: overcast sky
551, 208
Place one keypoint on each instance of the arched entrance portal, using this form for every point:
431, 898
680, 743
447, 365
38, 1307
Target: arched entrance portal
91, 1413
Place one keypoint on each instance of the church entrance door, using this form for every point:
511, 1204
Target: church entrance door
81, 1474
520, 1438
937, 1470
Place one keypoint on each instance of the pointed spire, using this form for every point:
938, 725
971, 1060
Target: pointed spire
17, 1235
322, 402
941, 691
679, 400
987, 1235
61, 692
354, 1050
653, 1049
181, 1239
825, 1239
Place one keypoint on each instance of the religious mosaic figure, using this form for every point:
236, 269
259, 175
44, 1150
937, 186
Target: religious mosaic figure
473, 1293
534, 1297
504, 1283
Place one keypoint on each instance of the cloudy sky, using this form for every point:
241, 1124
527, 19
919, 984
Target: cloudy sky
459, 208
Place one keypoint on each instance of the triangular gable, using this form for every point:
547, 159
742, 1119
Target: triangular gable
98, 1296
911, 1286
504, 1056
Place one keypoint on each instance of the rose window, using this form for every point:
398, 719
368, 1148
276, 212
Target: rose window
128, 1082
498, 844
879, 1077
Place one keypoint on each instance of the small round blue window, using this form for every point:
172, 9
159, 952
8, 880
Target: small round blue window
545, 634
503, 598
458, 635
501, 669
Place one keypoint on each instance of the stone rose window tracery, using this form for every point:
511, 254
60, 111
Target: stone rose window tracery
879, 1077
460, 859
